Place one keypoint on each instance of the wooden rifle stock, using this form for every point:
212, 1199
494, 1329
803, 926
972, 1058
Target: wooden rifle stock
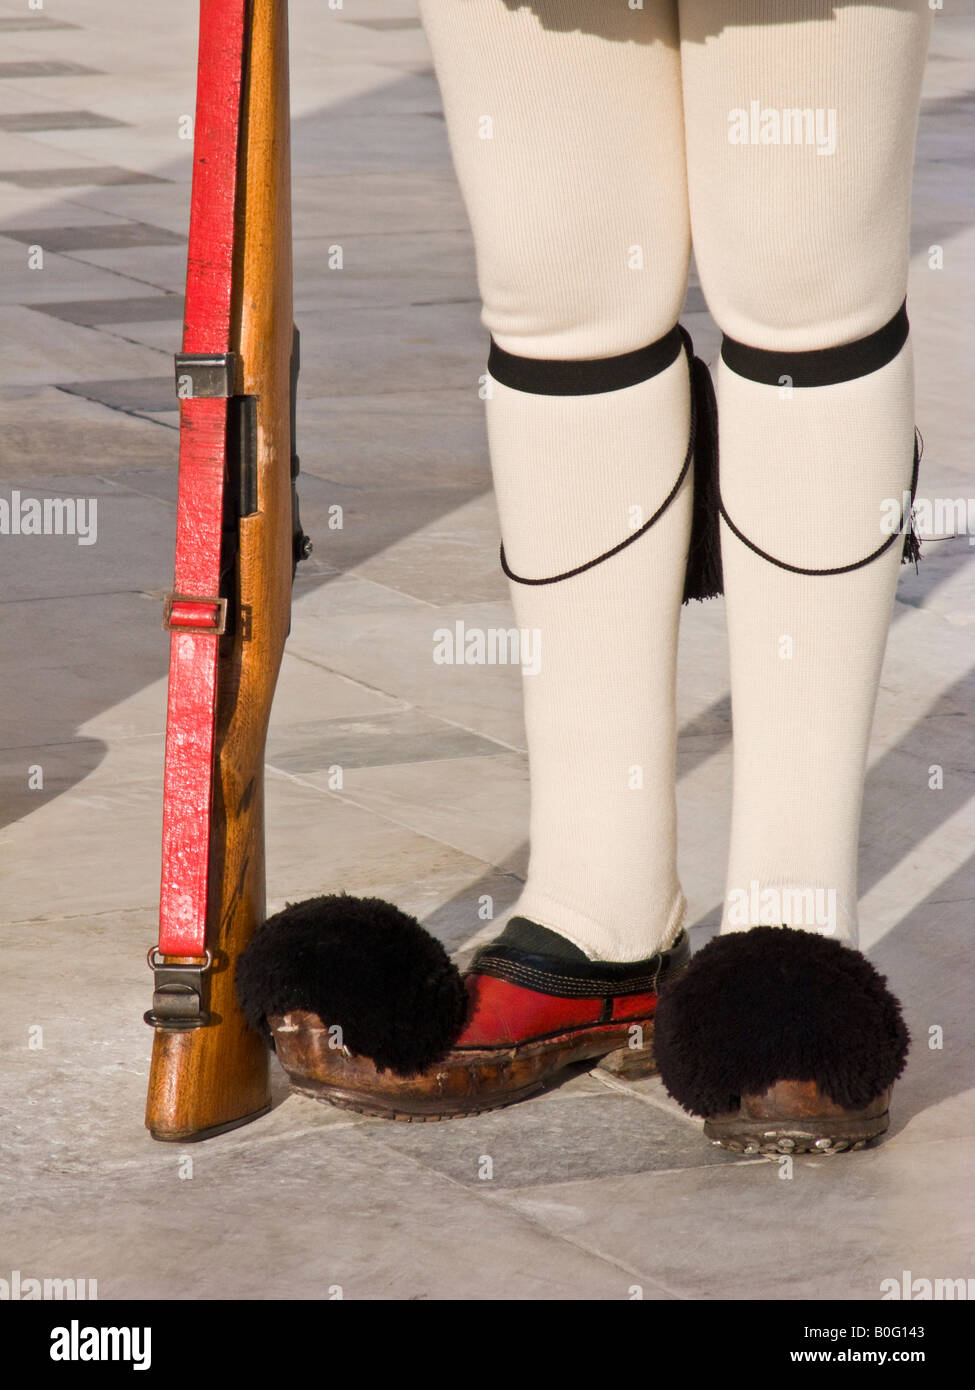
207, 1079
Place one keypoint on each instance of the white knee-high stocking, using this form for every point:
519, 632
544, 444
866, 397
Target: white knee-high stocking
564, 120
565, 130
801, 251
599, 713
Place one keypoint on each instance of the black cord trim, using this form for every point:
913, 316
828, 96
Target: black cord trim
821, 366
838, 569
684, 340
583, 376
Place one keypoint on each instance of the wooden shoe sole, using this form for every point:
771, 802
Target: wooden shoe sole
797, 1117
468, 1081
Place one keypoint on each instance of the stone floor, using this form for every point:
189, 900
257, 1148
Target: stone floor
601, 1188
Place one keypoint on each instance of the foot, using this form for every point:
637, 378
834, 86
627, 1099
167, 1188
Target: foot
535, 1007
784, 1041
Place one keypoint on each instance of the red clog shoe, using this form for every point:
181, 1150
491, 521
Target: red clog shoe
530, 1008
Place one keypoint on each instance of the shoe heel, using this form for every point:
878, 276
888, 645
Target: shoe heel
630, 1063
797, 1117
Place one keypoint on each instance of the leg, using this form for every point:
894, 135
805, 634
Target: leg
788, 1039
798, 250
565, 127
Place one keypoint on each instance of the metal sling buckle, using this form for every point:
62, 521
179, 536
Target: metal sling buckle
209, 375
177, 1000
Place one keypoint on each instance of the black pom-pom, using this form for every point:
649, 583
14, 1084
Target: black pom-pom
777, 1004
363, 964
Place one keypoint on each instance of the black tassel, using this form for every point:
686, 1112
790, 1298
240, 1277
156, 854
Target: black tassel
912, 546
703, 578
912, 541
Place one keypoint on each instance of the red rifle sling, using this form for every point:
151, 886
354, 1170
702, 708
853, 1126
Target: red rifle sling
195, 613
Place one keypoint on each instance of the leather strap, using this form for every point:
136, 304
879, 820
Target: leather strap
195, 612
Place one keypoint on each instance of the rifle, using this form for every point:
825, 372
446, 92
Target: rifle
238, 541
